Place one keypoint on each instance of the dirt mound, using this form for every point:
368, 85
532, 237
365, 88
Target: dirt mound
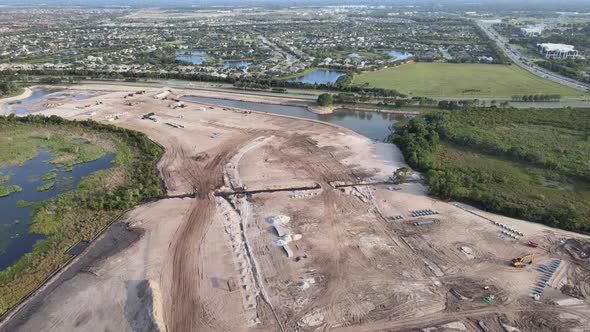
467, 293
578, 249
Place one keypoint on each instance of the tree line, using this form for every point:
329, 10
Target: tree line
540, 97
9, 88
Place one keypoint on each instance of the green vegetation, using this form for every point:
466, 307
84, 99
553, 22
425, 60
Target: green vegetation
50, 176
325, 99
81, 213
46, 186
21, 203
400, 175
462, 80
4, 178
530, 164
9, 89
19, 144
7, 190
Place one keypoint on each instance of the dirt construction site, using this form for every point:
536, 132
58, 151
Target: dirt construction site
279, 224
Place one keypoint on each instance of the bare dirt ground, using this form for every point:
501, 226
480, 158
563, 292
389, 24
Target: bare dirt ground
208, 258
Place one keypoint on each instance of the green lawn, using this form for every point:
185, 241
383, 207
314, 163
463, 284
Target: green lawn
462, 80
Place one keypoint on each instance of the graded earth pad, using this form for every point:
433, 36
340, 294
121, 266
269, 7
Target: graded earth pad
280, 224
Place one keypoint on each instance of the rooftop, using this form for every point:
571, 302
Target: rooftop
557, 47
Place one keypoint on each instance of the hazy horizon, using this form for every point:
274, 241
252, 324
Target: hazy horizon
572, 5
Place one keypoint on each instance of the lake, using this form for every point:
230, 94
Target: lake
399, 55
15, 241
354, 55
373, 125
196, 57
236, 64
191, 52
319, 77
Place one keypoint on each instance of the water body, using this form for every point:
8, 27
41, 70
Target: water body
399, 55
373, 125
236, 64
319, 77
15, 241
194, 59
38, 95
190, 52
354, 55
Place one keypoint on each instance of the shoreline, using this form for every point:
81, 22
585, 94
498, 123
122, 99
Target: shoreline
26, 94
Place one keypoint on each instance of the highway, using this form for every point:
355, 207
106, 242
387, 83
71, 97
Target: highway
516, 57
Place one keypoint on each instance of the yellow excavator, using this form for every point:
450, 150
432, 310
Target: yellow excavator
523, 261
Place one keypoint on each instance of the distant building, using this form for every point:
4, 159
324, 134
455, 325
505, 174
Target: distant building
557, 51
534, 30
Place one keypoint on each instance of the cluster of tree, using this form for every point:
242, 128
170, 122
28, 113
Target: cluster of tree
465, 103
536, 97
8, 88
400, 175
251, 85
413, 101
325, 99
470, 129
571, 68
51, 80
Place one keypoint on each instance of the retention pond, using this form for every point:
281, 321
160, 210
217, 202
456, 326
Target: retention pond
373, 125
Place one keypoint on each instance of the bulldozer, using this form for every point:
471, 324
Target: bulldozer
523, 261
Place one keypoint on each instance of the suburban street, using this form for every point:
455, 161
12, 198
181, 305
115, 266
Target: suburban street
515, 56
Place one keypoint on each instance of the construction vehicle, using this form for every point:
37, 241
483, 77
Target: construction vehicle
522, 261
149, 116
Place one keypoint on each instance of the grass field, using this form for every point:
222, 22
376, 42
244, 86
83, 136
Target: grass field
462, 80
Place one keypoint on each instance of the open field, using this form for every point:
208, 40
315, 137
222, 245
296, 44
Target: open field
462, 80
207, 259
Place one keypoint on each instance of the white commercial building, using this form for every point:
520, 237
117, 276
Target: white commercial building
557, 51
533, 30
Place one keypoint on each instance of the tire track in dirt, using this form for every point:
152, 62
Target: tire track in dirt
320, 166
185, 309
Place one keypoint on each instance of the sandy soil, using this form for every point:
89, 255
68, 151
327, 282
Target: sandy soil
211, 262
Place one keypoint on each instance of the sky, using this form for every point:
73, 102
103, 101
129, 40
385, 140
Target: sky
566, 5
